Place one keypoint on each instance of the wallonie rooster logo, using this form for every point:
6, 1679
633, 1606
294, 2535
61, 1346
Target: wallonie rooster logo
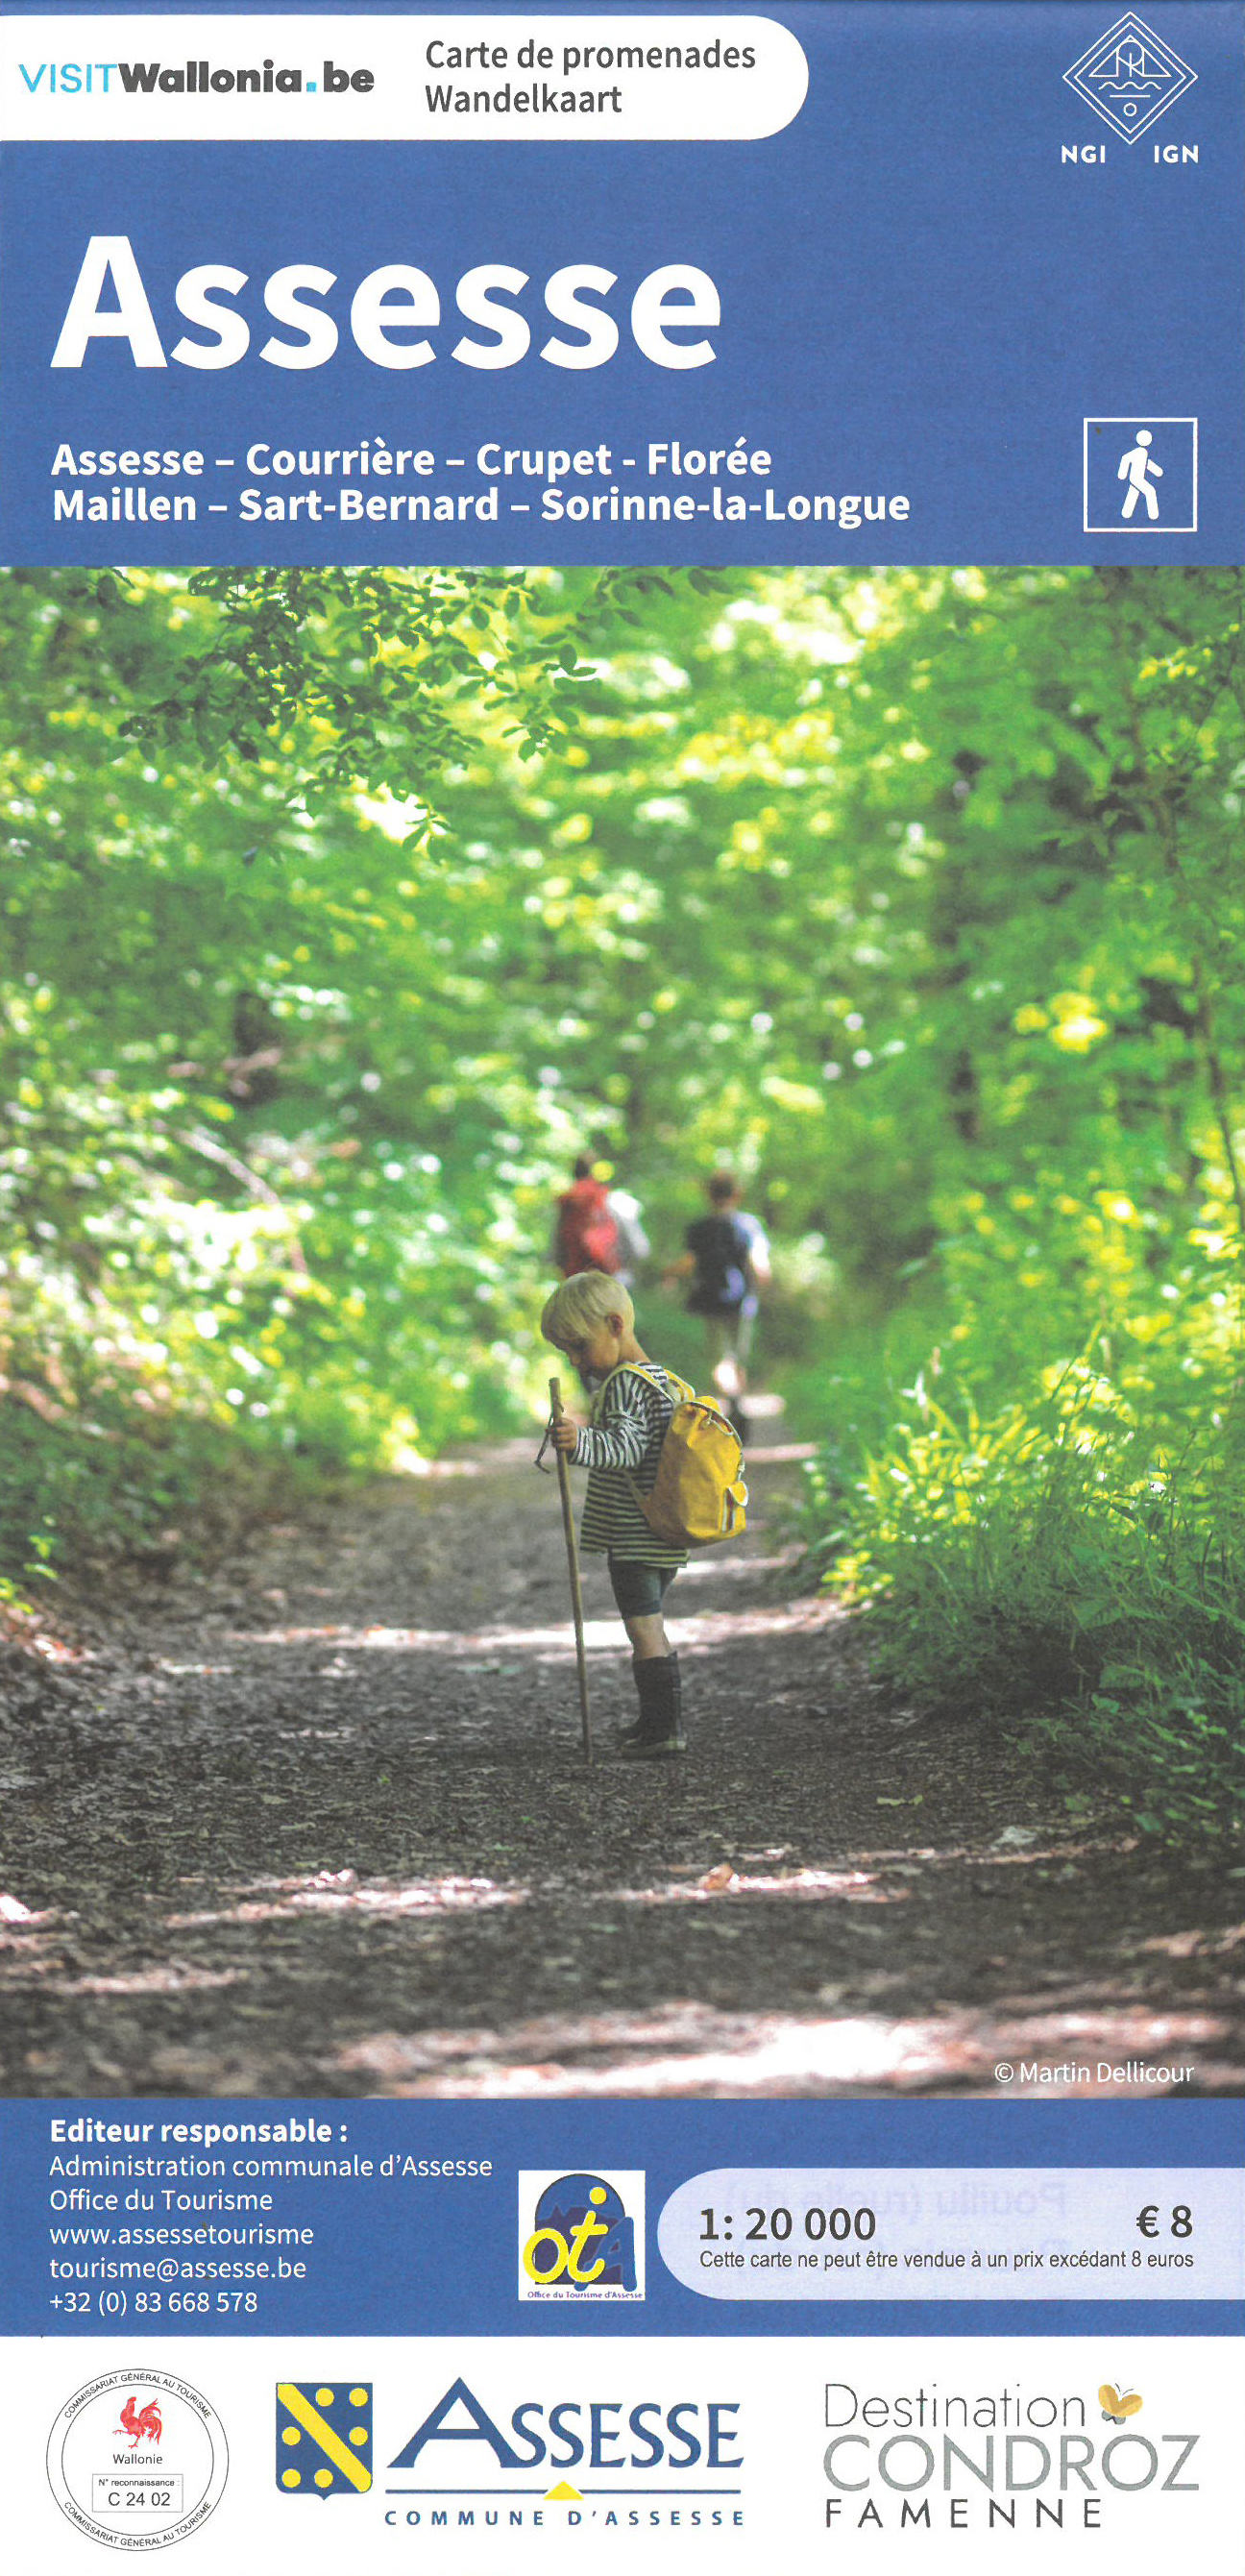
142, 2423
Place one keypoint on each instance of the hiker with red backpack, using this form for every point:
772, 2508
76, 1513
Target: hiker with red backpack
598, 1228
663, 1476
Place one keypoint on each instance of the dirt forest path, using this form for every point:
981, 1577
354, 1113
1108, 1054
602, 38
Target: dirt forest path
321, 1825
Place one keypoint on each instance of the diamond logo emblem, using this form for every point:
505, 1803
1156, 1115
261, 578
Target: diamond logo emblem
1130, 77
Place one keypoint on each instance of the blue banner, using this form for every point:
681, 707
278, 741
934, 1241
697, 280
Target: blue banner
929, 318
777, 2218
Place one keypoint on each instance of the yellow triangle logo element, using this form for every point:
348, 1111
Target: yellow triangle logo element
564, 2495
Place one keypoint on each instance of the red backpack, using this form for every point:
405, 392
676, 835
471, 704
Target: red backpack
588, 1237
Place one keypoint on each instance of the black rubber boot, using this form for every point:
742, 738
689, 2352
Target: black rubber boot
658, 1732
631, 1734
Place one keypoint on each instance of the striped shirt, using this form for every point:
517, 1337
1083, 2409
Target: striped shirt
629, 1419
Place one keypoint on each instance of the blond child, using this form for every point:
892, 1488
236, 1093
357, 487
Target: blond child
592, 1319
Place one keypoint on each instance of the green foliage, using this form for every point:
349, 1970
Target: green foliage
1049, 1523
152, 1487
340, 908
1072, 1564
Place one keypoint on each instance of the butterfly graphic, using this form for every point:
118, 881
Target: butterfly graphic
1118, 2404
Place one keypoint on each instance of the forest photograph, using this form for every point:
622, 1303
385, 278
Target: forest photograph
344, 916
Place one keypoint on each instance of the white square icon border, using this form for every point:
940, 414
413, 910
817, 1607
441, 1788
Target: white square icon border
1148, 527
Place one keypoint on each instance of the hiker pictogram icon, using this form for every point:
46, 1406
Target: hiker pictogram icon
1140, 475
1136, 467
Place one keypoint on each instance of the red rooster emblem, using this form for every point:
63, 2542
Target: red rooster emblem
142, 2423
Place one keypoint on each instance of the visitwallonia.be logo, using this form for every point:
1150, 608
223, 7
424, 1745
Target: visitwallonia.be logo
199, 78
581, 2235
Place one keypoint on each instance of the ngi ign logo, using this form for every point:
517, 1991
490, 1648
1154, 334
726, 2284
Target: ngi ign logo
1130, 77
581, 2235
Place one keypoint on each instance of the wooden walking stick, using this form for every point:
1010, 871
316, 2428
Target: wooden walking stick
572, 1559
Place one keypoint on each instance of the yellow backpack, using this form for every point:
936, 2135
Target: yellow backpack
699, 1495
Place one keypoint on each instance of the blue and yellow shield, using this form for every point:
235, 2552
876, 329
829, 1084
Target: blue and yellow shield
324, 2437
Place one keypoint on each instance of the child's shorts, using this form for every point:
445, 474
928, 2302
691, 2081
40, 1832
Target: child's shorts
639, 1589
